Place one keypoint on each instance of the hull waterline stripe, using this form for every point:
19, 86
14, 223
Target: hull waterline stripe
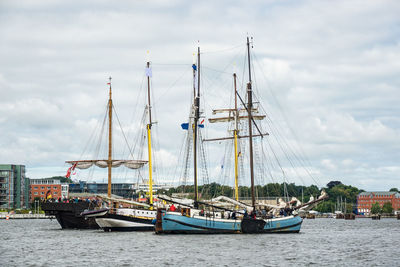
272, 230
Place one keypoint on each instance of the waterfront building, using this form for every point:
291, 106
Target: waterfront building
125, 190
40, 187
121, 189
14, 187
144, 186
366, 199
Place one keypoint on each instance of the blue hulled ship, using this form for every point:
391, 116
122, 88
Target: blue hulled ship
201, 217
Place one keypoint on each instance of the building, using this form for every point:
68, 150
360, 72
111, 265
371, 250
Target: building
40, 187
121, 189
144, 186
14, 187
366, 199
125, 190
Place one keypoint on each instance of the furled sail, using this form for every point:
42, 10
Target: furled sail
85, 164
232, 118
232, 110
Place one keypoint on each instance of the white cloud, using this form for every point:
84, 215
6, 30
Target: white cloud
329, 78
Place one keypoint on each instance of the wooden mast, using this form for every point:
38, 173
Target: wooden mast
148, 73
235, 132
249, 108
109, 163
196, 119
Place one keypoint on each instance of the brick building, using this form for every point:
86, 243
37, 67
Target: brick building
366, 199
39, 188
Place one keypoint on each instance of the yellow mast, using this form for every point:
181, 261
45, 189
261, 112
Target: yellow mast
236, 143
148, 73
109, 163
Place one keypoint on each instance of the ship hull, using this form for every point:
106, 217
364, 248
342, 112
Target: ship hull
122, 223
127, 220
68, 215
175, 223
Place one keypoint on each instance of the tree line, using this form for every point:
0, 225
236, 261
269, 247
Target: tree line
334, 189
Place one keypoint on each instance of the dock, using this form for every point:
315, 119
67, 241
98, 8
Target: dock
5, 216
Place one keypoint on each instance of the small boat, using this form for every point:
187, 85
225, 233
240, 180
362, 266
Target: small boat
376, 217
123, 219
94, 213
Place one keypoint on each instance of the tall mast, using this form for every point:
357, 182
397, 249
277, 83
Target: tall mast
196, 119
148, 73
109, 141
235, 133
249, 107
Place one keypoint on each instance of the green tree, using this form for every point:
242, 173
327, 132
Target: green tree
387, 208
375, 209
394, 189
332, 184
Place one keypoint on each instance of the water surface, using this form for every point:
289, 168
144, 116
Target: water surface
322, 242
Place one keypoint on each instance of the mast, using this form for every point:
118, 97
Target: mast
249, 108
109, 163
196, 119
235, 133
148, 73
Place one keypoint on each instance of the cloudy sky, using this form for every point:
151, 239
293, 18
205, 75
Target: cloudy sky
328, 75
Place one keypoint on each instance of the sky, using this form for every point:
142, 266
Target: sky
327, 75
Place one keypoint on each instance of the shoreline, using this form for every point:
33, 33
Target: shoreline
25, 216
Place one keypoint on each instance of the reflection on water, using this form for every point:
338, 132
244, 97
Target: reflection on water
362, 242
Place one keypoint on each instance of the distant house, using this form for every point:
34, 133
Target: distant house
366, 199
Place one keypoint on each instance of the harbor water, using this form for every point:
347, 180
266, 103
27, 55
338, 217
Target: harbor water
322, 242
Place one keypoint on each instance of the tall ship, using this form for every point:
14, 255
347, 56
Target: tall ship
222, 214
110, 215
139, 216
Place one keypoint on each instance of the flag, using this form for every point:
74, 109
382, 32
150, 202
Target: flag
201, 125
68, 173
185, 126
48, 194
109, 83
149, 72
70, 170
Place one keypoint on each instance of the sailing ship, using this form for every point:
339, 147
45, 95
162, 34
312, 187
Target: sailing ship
71, 214
193, 220
113, 218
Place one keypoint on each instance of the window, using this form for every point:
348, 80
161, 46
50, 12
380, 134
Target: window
42, 187
48, 187
36, 187
54, 193
36, 193
42, 193
55, 187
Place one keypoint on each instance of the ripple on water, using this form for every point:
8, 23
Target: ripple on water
325, 242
